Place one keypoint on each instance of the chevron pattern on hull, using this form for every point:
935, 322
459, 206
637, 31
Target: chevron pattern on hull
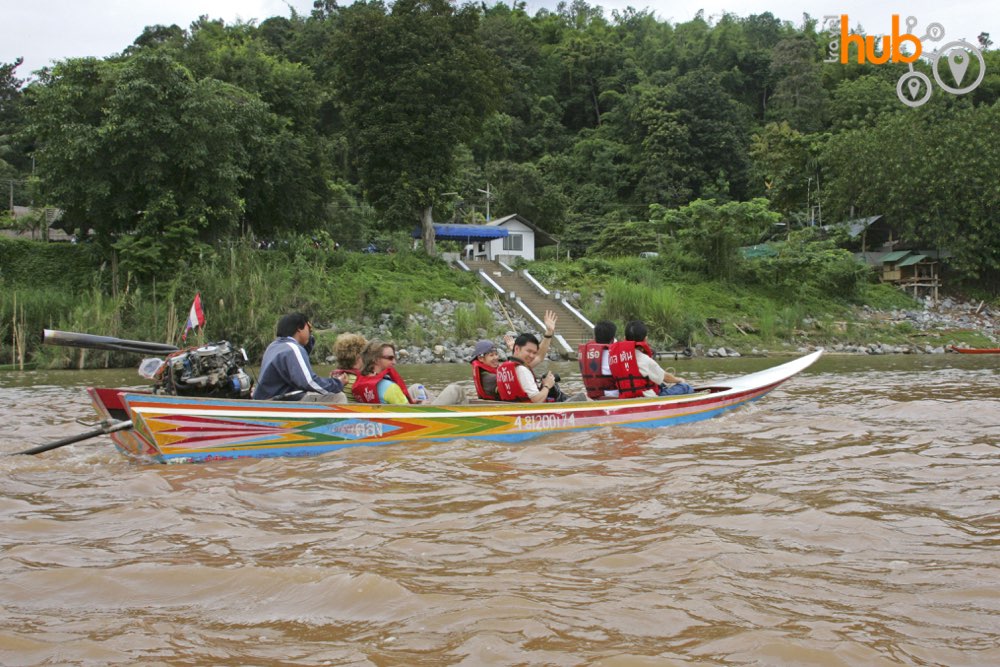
184, 429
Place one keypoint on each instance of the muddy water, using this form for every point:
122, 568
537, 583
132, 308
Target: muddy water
850, 518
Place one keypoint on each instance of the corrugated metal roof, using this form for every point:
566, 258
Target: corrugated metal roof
856, 227
912, 259
894, 256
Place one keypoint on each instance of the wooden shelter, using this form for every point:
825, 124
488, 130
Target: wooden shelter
913, 272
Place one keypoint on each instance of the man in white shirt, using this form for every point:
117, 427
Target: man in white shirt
666, 383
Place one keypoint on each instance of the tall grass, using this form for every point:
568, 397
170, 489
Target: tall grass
33, 309
469, 321
663, 309
243, 291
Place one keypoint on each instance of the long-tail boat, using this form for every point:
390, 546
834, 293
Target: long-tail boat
184, 429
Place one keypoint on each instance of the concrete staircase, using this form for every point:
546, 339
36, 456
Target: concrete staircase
521, 292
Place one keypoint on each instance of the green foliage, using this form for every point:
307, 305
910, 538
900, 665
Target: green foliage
40, 307
693, 139
882, 296
244, 291
914, 150
662, 309
625, 238
416, 65
348, 121
714, 233
799, 97
863, 101
782, 169
468, 321
24, 263
805, 269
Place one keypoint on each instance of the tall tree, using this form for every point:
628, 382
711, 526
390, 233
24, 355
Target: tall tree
415, 82
714, 232
693, 138
153, 160
10, 116
781, 166
936, 179
799, 96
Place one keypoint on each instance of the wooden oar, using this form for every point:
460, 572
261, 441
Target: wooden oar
104, 429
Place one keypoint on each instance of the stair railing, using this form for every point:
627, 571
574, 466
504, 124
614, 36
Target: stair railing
583, 320
492, 283
534, 283
541, 326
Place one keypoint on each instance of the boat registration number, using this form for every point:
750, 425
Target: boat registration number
358, 430
544, 422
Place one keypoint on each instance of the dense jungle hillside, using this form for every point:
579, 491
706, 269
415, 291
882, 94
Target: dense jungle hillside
616, 133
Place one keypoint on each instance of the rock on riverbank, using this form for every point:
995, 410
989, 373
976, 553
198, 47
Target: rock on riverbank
430, 337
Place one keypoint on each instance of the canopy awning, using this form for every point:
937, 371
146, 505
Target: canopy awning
912, 259
457, 232
894, 256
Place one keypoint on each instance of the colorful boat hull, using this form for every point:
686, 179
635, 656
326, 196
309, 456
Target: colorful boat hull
976, 350
175, 429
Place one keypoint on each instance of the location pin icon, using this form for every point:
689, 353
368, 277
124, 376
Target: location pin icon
958, 62
914, 86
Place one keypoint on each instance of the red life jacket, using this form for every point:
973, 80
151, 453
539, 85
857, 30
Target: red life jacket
595, 382
508, 387
365, 389
625, 368
349, 383
478, 370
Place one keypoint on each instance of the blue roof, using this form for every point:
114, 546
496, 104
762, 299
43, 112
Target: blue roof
464, 232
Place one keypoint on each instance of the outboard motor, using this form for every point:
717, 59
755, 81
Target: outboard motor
215, 370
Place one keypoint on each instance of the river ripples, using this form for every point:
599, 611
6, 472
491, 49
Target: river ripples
852, 517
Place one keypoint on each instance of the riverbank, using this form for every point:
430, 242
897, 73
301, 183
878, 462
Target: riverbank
435, 313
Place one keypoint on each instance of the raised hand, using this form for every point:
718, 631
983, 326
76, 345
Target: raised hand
550, 320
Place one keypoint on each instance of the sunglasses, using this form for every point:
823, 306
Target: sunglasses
390, 357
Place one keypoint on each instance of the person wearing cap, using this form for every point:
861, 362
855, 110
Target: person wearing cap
516, 377
485, 360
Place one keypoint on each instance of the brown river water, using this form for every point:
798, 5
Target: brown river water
852, 517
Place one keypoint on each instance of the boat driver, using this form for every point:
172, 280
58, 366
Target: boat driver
285, 371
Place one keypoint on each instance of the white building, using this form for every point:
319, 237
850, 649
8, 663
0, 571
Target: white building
523, 236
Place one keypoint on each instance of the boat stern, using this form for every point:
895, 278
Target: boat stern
109, 406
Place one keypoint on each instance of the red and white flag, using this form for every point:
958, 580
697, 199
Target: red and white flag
196, 318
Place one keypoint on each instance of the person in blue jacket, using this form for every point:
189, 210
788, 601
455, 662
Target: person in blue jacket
285, 372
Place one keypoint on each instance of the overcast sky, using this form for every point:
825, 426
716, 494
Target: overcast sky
42, 31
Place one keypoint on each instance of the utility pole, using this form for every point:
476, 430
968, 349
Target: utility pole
819, 201
489, 195
812, 220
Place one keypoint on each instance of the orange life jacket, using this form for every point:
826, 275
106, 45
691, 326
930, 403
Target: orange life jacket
478, 370
508, 387
625, 368
595, 382
365, 388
